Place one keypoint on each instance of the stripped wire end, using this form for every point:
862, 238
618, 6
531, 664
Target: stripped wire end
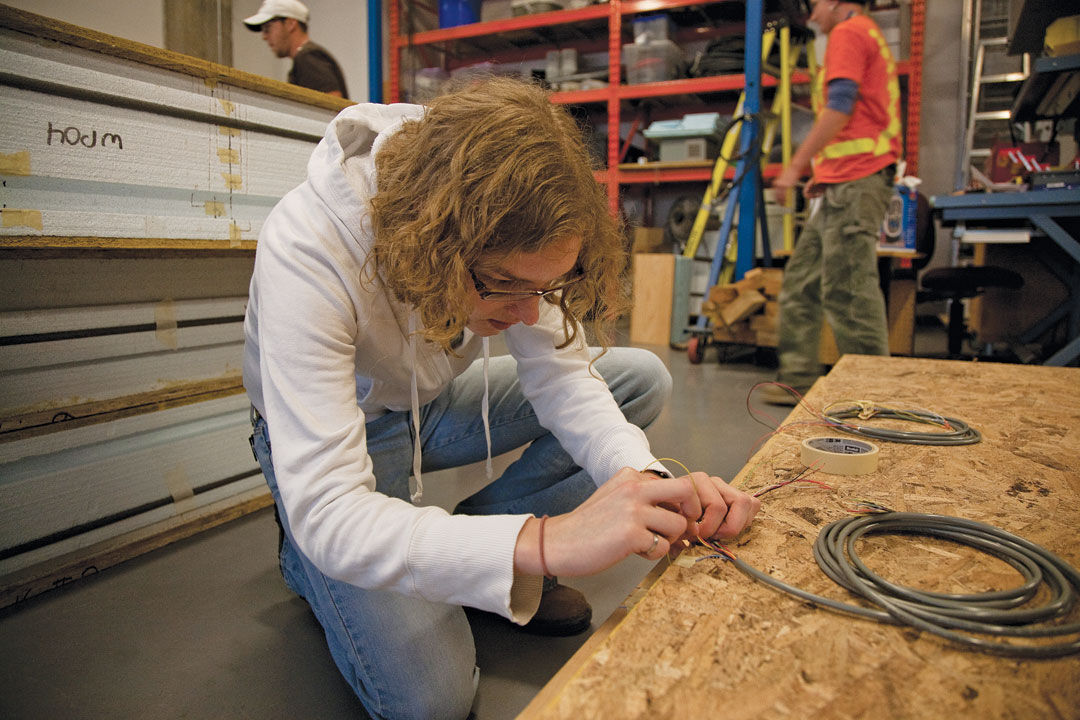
868, 507
801, 476
717, 548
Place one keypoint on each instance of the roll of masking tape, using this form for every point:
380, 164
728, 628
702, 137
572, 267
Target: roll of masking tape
840, 456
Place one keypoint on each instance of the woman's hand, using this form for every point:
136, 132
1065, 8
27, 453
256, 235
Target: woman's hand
623, 517
630, 514
727, 511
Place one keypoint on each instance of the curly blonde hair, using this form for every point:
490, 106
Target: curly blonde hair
490, 171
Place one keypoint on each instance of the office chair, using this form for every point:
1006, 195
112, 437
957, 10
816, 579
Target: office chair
954, 284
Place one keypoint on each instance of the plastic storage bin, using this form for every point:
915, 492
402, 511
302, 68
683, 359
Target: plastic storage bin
559, 64
692, 137
428, 83
651, 62
652, 28
689, 125
530, 7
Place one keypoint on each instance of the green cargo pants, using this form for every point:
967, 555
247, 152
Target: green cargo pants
834, 268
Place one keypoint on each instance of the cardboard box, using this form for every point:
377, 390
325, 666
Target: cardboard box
688, 149
649, 240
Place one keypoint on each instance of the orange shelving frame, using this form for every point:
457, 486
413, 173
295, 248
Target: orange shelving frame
613, 96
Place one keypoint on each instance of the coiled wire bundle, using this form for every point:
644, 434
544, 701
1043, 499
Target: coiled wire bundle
997, 614
957, 432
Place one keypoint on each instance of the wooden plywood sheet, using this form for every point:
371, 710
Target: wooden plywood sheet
706, 639
654, 281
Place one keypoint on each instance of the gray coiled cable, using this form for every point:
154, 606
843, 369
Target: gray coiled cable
961, 434
996, 614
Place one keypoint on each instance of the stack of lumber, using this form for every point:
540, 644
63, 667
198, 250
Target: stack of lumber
747, 311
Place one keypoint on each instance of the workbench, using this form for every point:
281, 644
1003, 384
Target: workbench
704, 640
1054, 213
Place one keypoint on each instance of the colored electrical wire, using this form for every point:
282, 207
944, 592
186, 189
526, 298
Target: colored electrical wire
956, 432
868, 506
836, 415
799, 399
996, 614
799, 477
720, 549
659, 460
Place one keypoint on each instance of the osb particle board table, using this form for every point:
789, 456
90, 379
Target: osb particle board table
706, 641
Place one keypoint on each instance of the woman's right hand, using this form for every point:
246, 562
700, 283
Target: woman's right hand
629, 514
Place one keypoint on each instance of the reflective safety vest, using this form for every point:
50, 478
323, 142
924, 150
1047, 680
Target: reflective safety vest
839, 160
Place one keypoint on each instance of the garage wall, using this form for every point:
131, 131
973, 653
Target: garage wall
131, 19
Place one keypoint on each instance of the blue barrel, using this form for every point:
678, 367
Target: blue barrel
458, 12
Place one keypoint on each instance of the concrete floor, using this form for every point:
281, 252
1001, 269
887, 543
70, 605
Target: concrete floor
205, 628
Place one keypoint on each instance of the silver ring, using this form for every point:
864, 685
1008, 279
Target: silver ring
655, 542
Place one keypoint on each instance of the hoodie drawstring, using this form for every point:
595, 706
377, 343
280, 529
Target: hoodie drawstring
484, 411
417, 496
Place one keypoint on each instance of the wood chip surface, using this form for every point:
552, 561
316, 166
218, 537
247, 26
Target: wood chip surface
707, 641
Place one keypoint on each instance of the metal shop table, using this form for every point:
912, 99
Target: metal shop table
1055, 213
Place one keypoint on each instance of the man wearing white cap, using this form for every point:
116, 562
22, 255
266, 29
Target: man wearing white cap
283, 24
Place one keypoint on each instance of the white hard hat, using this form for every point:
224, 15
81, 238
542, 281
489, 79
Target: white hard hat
271, 9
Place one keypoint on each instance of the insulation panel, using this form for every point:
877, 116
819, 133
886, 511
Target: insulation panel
134, 184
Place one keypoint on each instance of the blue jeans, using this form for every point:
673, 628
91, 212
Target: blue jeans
406, 657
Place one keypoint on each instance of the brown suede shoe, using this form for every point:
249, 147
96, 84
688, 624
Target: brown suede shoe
563, 611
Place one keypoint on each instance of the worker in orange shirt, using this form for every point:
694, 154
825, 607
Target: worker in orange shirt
854, 144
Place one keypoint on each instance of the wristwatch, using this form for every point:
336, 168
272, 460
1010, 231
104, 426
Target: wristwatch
657, 473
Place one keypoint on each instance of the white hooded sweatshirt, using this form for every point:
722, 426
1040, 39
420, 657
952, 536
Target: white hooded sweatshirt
325, 353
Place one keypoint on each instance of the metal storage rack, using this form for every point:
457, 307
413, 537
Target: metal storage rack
518, 38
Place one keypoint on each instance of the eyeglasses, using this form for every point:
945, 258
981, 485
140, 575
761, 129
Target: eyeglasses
510, 296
